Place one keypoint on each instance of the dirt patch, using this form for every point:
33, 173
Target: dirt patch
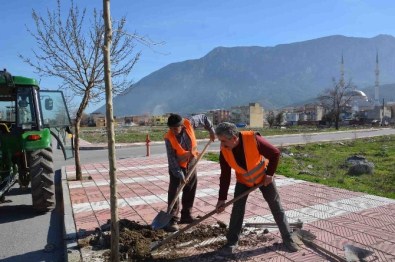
136, 239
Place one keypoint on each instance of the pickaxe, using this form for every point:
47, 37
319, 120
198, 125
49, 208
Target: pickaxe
297, 225
352, 253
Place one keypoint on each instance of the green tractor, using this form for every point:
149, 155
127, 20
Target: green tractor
30, 119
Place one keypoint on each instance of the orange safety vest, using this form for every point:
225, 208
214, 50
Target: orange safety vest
256, 163
183, 156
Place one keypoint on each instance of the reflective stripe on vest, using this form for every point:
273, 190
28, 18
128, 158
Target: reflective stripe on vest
256, 163
183, 156
250, 178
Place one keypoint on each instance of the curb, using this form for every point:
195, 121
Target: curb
72, 252
118, 146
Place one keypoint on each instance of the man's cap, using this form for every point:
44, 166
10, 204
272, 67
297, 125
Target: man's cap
174, 120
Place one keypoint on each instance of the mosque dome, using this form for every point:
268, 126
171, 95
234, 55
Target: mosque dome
357, 93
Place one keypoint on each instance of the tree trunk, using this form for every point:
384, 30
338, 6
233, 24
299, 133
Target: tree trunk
80, 113
110, 132
78, 172
337, 117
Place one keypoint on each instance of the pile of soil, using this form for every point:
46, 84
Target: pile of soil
136, 239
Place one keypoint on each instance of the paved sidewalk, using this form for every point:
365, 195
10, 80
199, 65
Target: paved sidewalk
85, 145
335, 216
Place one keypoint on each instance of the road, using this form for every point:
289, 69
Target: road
27, 236
281, 140
328, 136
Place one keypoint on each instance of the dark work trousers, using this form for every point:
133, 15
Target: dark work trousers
272, 197
188, 193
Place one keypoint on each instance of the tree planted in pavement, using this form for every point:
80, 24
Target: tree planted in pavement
70, 48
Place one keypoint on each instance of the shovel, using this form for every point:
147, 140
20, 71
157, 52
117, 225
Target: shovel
163, 218
352, 253
156, 245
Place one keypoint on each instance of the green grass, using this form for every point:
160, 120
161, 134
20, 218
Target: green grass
212, 156
156, 133
324, 163
319, 162
130, 134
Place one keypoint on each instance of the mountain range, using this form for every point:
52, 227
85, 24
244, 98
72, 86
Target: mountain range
273, 76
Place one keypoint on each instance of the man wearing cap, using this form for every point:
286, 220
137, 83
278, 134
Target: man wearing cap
181, 147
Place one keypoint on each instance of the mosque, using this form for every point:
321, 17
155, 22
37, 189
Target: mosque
364, 109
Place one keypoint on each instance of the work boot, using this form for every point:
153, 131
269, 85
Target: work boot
171, 226
290, 245
187, 219
228, 249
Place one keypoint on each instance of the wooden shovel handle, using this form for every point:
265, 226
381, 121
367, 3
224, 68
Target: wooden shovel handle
187, 177
194, 223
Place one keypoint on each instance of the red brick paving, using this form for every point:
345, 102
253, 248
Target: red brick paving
335, 216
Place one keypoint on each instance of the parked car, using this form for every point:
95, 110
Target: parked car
241, 124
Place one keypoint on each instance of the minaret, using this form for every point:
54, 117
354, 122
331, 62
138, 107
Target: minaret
376, 83
342, 73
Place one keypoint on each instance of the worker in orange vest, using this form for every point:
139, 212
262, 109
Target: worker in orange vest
181, 148
255, 161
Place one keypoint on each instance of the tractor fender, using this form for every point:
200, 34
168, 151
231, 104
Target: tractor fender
35, 140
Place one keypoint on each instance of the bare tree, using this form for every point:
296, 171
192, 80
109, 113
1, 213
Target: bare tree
71, 50
336, 99
110, 131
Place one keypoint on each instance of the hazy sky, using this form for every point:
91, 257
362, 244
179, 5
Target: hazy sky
190, 29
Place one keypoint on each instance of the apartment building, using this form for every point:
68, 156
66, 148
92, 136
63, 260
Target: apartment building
219, 116
252, 115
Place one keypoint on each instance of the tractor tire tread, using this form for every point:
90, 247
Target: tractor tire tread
42, 179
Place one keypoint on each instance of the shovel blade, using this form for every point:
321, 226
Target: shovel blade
354, 253
153, 245
161, 220
305, 235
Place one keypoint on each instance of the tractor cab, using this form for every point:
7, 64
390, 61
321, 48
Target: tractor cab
26, 108
31, 119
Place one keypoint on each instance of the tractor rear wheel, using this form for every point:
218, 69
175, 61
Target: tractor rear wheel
42, 179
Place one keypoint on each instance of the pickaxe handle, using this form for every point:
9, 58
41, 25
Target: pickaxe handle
298, 224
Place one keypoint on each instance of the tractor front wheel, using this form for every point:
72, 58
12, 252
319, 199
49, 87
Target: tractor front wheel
42, 179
